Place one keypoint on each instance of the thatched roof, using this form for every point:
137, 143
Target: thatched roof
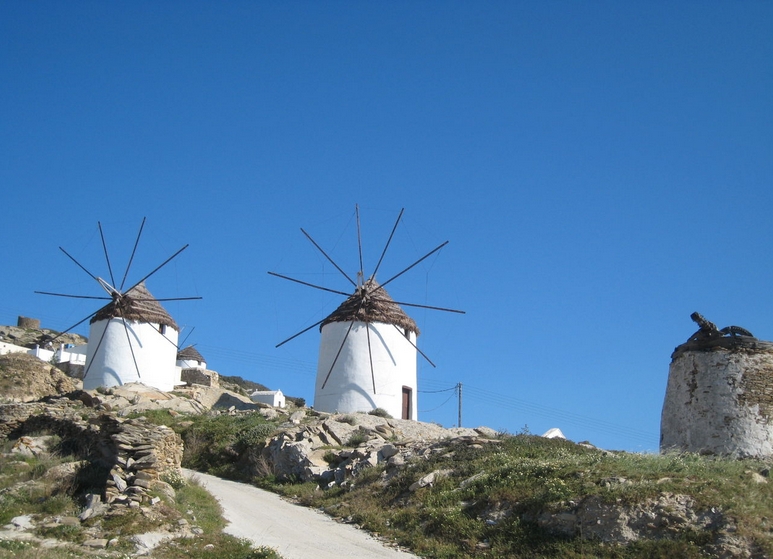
371, 303
190, 353
138, 305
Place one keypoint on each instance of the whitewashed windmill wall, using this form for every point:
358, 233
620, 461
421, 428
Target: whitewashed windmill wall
367, 353
138, 344
375, 367
132, 338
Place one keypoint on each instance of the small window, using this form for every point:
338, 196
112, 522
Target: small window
162, 328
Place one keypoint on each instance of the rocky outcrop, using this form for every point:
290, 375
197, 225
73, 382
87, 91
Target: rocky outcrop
25, 378
31, 336
308, 452
667, 515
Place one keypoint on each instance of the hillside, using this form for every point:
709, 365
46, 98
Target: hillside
452, 493
30, 337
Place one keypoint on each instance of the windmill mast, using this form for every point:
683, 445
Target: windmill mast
459, 387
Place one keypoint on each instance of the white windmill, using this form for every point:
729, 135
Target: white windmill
367, 352
132, 338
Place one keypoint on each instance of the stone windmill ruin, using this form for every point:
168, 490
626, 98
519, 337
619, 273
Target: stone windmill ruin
132, 338
367, 351
719, 398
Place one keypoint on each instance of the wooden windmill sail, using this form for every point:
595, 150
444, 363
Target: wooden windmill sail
368, 352
132, 338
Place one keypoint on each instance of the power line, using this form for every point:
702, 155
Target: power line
508, 402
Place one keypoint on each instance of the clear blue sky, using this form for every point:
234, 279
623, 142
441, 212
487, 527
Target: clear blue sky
601, 170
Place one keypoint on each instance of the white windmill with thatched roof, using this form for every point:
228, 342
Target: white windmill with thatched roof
367, 351
132, 338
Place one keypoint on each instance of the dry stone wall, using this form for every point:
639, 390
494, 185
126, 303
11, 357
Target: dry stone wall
138, 455
204, 377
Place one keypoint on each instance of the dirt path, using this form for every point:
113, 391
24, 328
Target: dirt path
295, 532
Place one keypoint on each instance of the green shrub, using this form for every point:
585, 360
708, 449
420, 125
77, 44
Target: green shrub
215, 443
357, 438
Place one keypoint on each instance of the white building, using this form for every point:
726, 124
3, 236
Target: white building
190, 358
271, 397
68, 357
367, 356
132, 339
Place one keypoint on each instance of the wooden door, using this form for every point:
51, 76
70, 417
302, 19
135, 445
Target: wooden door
407, 397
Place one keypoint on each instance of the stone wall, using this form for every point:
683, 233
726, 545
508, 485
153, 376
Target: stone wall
138, 455
200, 376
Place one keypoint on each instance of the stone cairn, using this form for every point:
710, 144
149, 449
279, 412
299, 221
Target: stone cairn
719, 398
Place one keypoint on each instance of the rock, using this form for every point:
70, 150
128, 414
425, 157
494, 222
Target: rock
31, 446
487, 432
64, 474
23, 522
147, 542
429, 479
94, 507
654, 518
29, 379
99, 543
120, 482
387, 451
758, 478
340, 432
145, 484
268, 413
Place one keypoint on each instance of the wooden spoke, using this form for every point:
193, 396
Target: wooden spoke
60, 334
373, 275
96, 349
359, 243
309, 284
415, 346
429, 307
171, 299
430, 253
299, 333
131, 258
370, 357
185, 339
131, 347
79, 264
164, 263
338, 354
337, 267
74, 296
107, 258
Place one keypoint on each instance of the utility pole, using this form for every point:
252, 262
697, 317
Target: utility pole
459, 388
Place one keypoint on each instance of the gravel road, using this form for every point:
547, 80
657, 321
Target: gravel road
295, 532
